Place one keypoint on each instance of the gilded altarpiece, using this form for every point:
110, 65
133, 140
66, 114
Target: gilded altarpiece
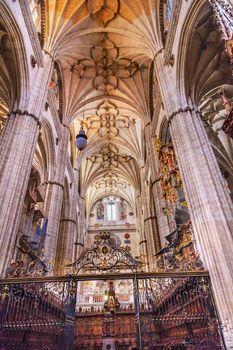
178, 253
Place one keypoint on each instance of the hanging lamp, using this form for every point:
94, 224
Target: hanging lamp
81, 137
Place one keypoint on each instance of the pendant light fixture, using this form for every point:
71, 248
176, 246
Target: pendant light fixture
81, 138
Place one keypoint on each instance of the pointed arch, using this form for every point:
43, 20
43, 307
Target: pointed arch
19, 95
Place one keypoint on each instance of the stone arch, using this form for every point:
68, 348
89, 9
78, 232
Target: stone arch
164, 133
115, 194
15, 44
204, 75
45, 156
202, 63
151, 90
183, 48
63, 242
49, 146
58, 70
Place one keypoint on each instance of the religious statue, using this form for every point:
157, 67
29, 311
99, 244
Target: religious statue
122, 210
111, 304
227, 126
171, 183
100, 211
54, 87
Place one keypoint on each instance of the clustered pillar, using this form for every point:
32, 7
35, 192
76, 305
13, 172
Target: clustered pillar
17, 146
64, 251
209, 203
210, 206
67, 231
55, 195
162, 221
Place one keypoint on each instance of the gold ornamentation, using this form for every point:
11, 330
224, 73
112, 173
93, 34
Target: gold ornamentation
157, 143
179, 254
171, 183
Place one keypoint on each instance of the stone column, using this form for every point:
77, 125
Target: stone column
81, 229
209, 203
79, 239
210, 207
156, 185
151, 237
145, 228
17, 146
140, 227
55, 197
67, 232
64, 254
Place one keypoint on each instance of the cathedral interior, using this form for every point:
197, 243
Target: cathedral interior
116, 174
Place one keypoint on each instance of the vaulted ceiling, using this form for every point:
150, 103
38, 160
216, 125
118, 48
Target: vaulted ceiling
104, 49
209, 77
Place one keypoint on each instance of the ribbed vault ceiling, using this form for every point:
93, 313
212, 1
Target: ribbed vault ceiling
104, 49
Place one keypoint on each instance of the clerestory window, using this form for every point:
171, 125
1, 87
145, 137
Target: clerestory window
170, 4
111, 210
35, 10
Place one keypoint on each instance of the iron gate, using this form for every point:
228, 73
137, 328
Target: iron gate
36, 314
172, 311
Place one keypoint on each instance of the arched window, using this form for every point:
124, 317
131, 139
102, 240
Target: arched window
170, 4
167, 17
35, 10
111, 210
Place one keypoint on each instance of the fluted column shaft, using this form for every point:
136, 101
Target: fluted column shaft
210, 208
78, 238
64, 254
55, 197
140, 226
153, 243
82, 226
145, 229
156, 185
17, 146
209, 203
67, 231
22, 131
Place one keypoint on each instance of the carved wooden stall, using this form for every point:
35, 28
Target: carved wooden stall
33, 314
169, 310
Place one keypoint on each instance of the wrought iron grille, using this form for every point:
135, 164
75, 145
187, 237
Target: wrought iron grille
33, 315
172, 311
178, 313
105, 255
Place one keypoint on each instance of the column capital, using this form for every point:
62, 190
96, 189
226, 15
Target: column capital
19, 112
54, 183
143, 242
161, 50
65, 126
180, 111
69, 220
79, 243
150, 218
156, 180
